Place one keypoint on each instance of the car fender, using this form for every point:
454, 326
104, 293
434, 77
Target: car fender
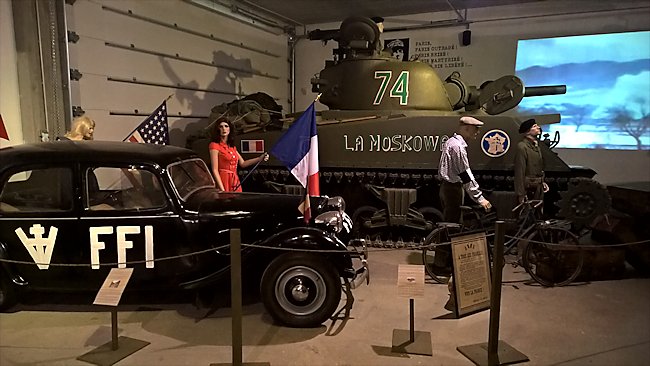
7, 268
311, 238
294, 238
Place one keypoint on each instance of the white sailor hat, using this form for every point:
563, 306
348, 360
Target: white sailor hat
467, 120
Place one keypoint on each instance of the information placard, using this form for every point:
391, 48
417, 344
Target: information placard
471, 273
410, 281
113, 287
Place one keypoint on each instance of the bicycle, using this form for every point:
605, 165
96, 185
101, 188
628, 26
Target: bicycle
547, 249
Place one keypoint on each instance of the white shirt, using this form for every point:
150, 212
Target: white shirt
454, 166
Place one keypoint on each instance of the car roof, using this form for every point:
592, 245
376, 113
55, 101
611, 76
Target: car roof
92, 151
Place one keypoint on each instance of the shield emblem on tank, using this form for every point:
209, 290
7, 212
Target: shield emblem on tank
495, 143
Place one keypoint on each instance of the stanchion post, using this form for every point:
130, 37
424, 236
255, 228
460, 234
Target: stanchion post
114, 344
495, 300
236, 303
412, 318
495, 352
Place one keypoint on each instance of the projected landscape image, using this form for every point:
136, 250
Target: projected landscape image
607, 103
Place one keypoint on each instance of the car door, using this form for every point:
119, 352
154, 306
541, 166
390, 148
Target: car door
38, 224
128, 221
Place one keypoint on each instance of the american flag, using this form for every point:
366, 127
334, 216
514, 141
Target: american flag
154, 129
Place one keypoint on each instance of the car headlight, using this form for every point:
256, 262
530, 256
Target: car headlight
347, 222
331, 219
336, 203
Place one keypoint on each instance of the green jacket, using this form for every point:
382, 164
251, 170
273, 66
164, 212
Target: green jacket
528, 164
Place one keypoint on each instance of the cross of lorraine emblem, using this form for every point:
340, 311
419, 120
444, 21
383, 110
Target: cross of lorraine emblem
39, 248
495, 143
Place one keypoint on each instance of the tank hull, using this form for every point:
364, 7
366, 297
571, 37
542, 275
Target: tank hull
367, 140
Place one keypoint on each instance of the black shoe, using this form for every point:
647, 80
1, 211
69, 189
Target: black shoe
451, 304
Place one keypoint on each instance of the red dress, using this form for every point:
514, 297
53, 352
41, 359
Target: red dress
228, 161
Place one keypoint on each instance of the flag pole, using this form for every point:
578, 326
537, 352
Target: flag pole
307, 204
164, 101
247, 175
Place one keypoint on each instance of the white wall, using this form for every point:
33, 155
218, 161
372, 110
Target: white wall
495, 32
9, 95
97, 62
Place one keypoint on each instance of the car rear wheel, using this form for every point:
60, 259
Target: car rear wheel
7, 293
300, 290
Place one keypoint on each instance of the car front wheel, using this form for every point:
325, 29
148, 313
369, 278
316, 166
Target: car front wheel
300, 290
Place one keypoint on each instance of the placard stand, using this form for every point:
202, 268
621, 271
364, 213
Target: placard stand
118, 348
471, 269
494, 352
236, 303
412, 341
410, 283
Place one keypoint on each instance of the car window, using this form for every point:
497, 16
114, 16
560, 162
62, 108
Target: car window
189, 176
38, 190
133, 188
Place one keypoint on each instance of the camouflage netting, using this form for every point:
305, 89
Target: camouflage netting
254, 111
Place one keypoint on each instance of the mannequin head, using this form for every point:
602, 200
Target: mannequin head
83, 128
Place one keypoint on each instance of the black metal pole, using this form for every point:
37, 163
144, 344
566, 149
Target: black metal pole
495, 300
235, 293
247, 175
114, 344
411, 308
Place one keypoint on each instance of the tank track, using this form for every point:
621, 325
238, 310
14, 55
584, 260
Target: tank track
577, 199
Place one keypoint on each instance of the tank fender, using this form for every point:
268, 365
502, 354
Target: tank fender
311, 238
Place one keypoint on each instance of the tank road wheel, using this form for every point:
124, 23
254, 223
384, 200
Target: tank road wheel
300, 290
431, 214
7, 293
437, 258
553, 256
360, 217
584, 200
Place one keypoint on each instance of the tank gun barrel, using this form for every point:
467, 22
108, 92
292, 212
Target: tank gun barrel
536, 91
323, 35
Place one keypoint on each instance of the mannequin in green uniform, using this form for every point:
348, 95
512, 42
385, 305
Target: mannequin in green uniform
529, 164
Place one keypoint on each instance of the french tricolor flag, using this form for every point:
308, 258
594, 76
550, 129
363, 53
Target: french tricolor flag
298, 150
252, 146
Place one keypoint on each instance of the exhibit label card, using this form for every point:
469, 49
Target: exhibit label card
410, 281
111, 291
471, 272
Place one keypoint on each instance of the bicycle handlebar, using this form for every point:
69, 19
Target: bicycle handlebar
533, 203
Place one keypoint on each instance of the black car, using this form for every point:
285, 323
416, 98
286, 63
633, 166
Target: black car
72, 210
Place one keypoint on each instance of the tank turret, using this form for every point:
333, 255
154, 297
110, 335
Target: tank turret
363, 77
380, 139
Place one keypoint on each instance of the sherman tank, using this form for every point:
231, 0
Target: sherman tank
380, 140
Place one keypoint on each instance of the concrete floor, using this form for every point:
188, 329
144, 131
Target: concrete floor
597, 323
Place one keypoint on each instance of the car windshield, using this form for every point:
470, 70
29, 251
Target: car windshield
190, 176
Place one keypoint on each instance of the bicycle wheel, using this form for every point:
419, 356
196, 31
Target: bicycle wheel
437, 258
552, 256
